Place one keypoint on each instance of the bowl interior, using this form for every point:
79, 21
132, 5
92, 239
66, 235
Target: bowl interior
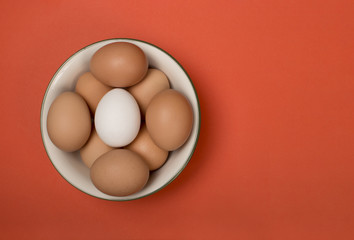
70, 166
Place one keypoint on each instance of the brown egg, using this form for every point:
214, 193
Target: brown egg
169, 119
119, 172
153, 155
93, 149
91, 90
119, 64
69, 122
154, 82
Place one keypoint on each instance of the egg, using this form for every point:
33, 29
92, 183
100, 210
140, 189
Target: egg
69, 122
153, 155
119, 64
93, 149
117, 118
91, 90
169, 119
119, 172
154, 82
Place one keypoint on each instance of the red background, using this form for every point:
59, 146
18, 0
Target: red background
275, 155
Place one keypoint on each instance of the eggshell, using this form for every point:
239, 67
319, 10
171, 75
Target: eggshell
169, 119
154, 82
153, 155
119, 64
91, 90
93, 149
117, 118
119, 172
69, 122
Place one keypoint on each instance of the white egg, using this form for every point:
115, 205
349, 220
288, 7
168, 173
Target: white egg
117, 118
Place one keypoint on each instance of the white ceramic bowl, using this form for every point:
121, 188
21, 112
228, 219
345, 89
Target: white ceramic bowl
70, 166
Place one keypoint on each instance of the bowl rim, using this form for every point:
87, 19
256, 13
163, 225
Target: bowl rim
198, 130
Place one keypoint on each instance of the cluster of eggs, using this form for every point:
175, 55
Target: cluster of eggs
123, 118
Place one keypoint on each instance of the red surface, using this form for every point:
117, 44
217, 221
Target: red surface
275, 159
